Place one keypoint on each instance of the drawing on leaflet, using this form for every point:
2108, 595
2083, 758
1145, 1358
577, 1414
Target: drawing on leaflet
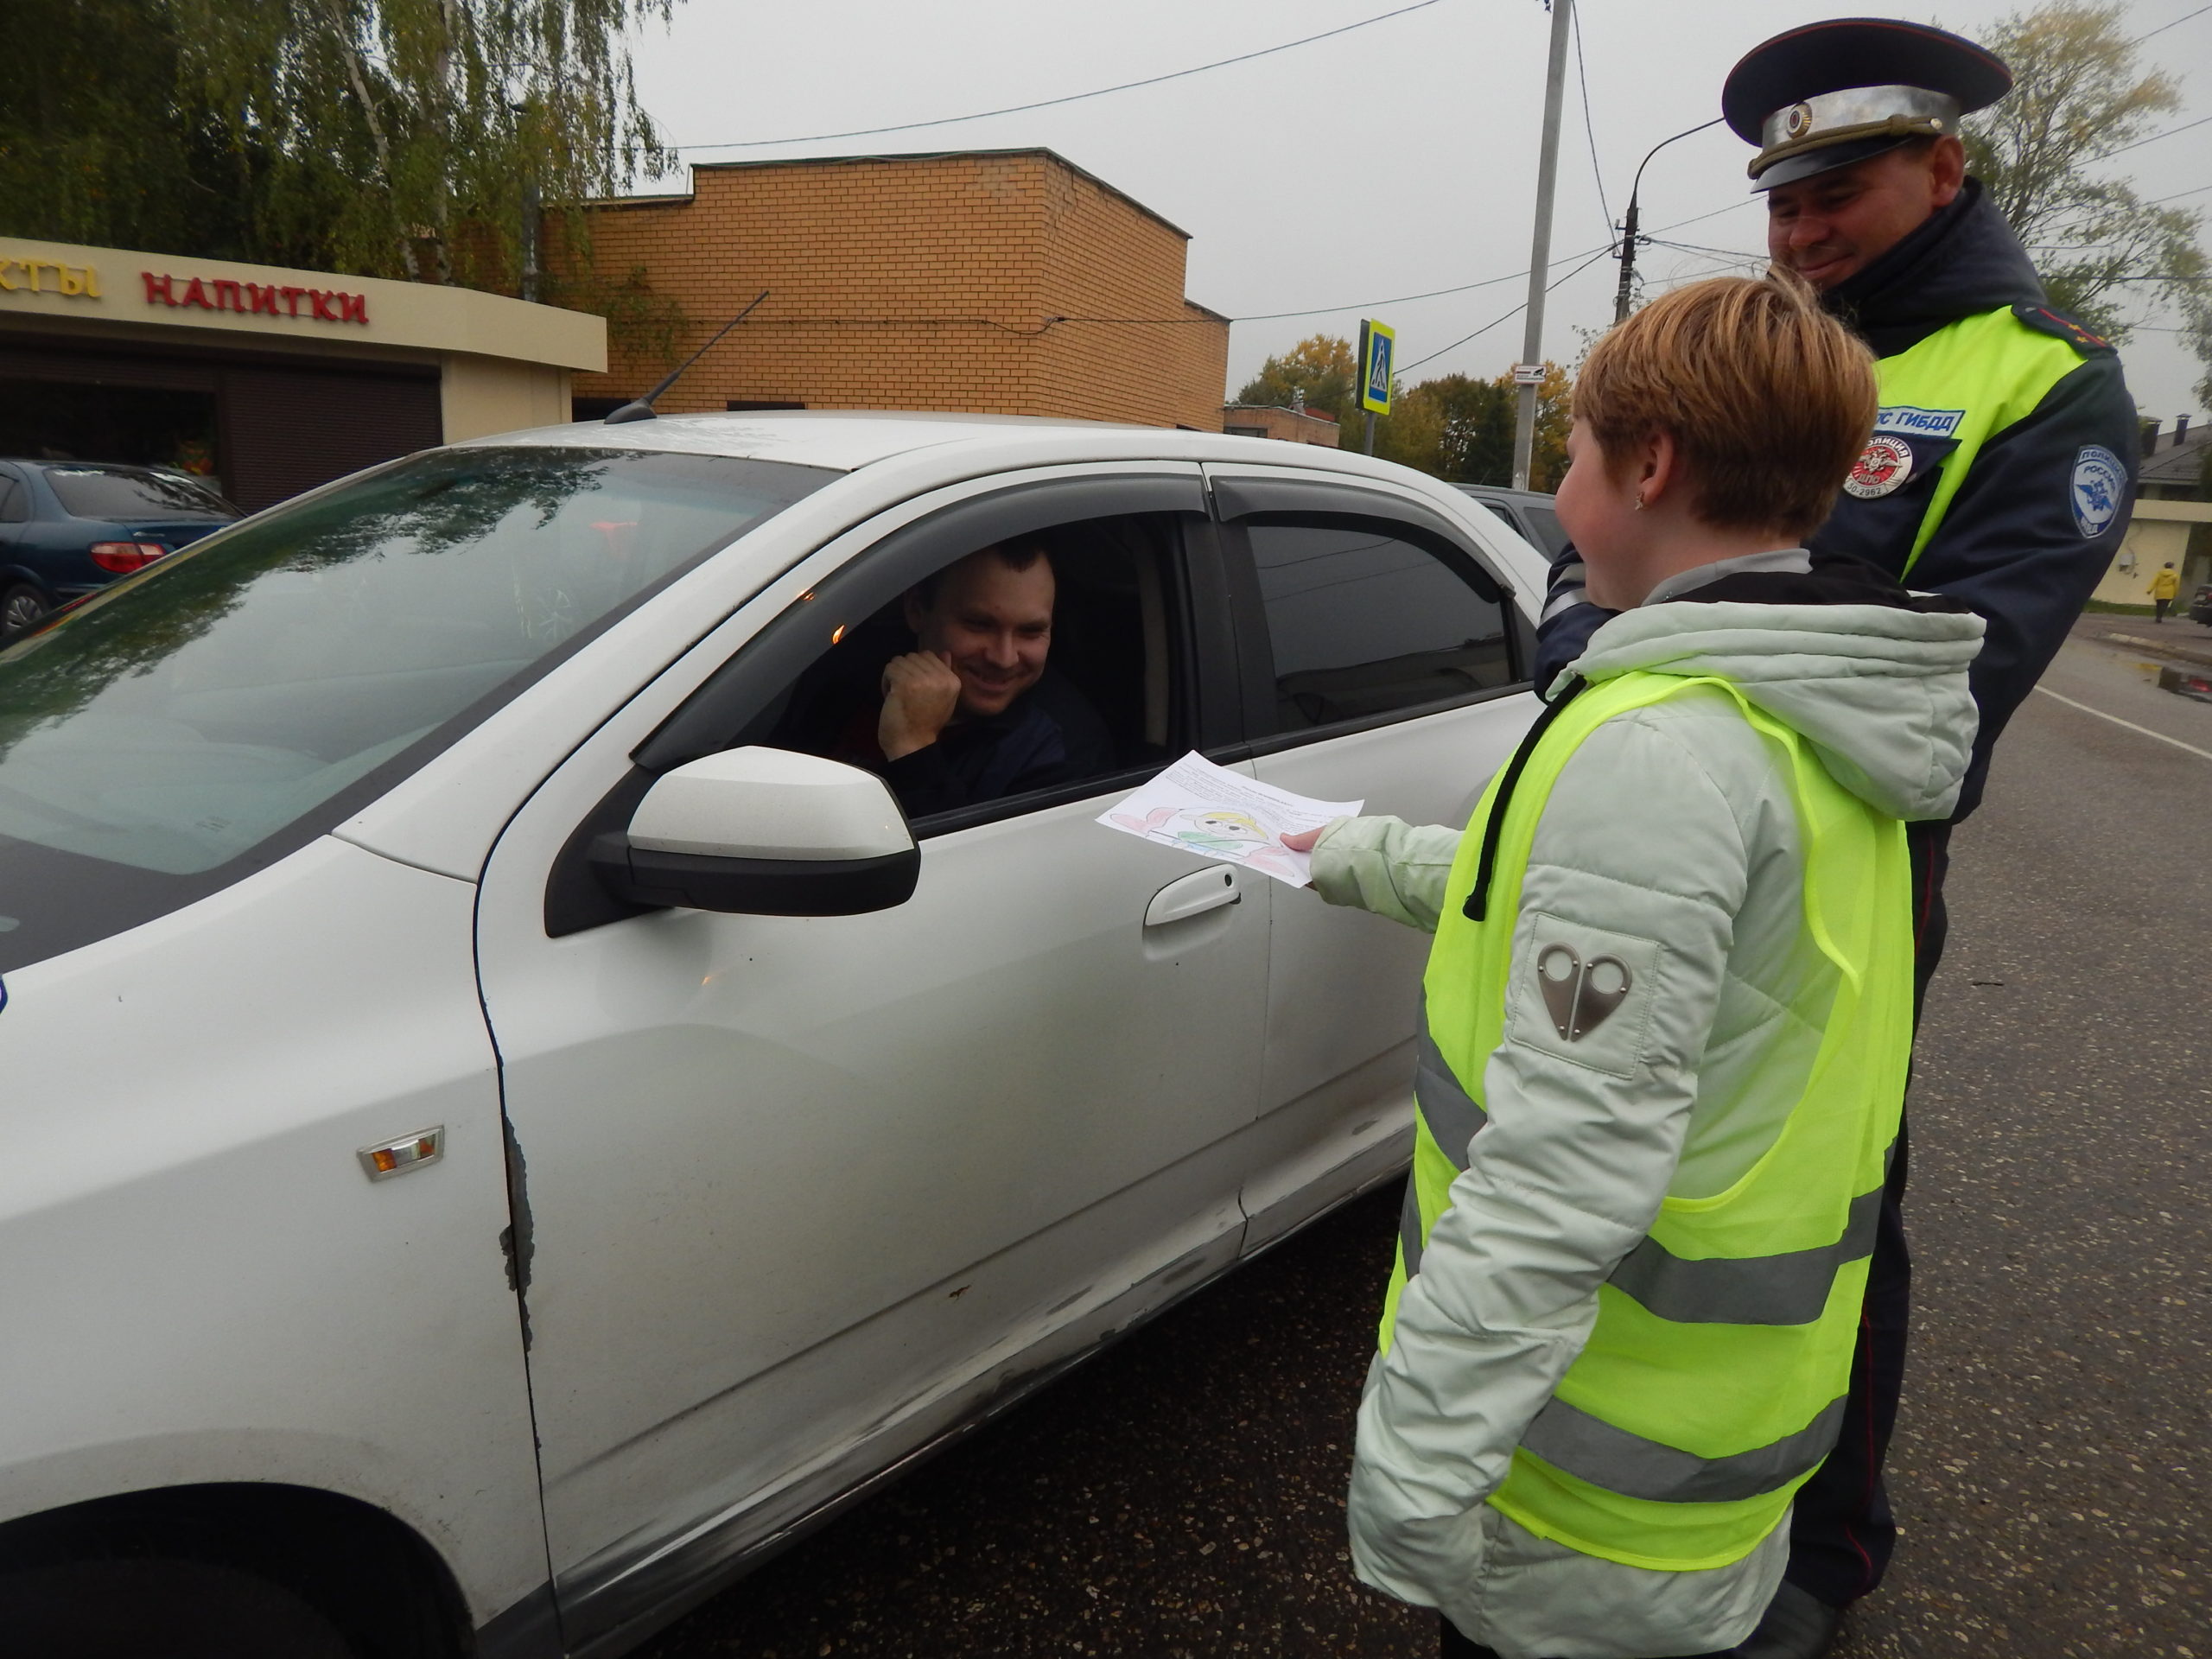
1195, 806
1235, 836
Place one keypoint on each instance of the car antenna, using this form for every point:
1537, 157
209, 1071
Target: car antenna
642, 409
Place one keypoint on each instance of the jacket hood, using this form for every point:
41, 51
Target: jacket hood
1879, 690
1965, 260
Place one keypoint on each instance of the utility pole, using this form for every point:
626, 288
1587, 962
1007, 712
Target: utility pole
1540, 245
1627, 258
1629, 222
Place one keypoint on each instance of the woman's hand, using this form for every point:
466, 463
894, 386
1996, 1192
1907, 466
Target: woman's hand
1303, 840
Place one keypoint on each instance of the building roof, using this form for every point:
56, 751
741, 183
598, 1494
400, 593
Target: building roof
1052, 155
2180, 465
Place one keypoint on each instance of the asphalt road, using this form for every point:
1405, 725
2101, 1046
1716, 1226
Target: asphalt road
1182, 1494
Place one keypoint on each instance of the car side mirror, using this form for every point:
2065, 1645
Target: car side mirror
763, 832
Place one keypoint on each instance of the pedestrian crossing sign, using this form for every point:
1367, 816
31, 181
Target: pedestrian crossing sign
1377, 349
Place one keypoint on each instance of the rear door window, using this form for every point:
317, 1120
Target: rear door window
1365, 621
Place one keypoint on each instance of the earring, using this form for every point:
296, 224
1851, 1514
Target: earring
1639, 500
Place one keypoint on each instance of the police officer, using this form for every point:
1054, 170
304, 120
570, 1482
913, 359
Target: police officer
1999, 473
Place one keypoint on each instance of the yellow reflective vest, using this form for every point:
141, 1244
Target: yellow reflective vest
1712, 1381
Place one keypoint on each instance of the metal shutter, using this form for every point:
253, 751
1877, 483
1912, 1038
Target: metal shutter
286, 430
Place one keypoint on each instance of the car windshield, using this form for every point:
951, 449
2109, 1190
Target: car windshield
132, 493
191, 723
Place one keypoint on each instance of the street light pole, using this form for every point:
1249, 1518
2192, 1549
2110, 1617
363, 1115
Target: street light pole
1628, 220
1540, 245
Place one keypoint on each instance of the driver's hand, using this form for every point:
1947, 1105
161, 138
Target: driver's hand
920, 692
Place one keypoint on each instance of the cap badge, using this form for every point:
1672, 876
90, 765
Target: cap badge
1882, 467
1798, 122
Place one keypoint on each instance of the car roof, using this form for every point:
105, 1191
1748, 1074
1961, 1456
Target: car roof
1500, 493
849, 440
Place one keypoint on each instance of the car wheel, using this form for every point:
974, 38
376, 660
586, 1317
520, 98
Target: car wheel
20, 606
159, 1608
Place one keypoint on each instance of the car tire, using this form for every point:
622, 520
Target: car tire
152, 1608
20, 606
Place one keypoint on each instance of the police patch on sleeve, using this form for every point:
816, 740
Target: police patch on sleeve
1583, 994
1882, 465
2098, 487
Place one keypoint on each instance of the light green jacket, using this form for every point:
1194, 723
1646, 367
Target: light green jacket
1676, 825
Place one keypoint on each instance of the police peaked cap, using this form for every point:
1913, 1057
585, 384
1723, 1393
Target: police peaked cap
1835, 92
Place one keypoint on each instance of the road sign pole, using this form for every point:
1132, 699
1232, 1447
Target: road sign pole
1370, 432
1540, 247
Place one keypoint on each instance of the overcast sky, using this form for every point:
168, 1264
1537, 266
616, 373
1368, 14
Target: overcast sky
1393, 159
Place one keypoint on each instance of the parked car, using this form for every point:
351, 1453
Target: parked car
1530, 512
2200, 605
68, 528
501, 1139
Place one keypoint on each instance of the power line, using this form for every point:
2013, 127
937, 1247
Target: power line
2163, 27
2153, 138
1582, 75
1072, 97
1600, 254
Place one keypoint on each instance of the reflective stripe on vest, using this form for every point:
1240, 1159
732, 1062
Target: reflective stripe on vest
1989, 371
1712, 1382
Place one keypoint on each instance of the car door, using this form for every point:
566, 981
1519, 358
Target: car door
802, 1192
1384, 661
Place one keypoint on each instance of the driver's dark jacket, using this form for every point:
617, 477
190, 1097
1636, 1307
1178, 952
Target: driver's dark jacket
2011, 544
1048, 735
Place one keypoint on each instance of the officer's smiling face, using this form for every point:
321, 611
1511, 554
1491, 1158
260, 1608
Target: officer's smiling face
1834, 225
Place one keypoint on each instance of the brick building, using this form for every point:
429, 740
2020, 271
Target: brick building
1299, 425
998, 282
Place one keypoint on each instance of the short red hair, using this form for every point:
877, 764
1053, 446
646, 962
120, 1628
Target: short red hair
1768, 399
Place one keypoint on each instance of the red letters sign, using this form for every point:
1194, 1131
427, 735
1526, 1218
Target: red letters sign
254, 299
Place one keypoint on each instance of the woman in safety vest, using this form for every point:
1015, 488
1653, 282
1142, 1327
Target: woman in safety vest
1666, 1019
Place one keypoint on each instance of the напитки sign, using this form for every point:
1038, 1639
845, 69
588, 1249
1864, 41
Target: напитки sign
255, 299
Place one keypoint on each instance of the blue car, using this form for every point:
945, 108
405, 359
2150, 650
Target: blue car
68, 528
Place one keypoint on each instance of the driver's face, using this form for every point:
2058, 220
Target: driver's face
1834, 225
994, 624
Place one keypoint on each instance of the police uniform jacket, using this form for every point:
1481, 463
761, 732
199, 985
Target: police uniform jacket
2004, 482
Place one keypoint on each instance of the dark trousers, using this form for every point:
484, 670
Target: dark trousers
1842, 1533
2161, 605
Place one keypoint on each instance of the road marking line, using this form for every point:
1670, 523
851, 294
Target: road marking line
2201, 754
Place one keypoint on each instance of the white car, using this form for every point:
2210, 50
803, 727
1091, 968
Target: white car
498, 1140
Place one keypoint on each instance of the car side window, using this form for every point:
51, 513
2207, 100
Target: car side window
1365, 620
1013, 675
15, 502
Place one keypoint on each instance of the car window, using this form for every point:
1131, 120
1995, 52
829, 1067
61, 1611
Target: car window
1363, 622
15, 505
132, 493
179, 723
1549, 536
1048, 654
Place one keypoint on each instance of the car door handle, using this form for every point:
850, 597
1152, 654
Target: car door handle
1193, 895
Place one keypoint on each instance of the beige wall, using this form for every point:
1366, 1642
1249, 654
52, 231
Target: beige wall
2159, 533
479, 396
930, 283
69, 283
